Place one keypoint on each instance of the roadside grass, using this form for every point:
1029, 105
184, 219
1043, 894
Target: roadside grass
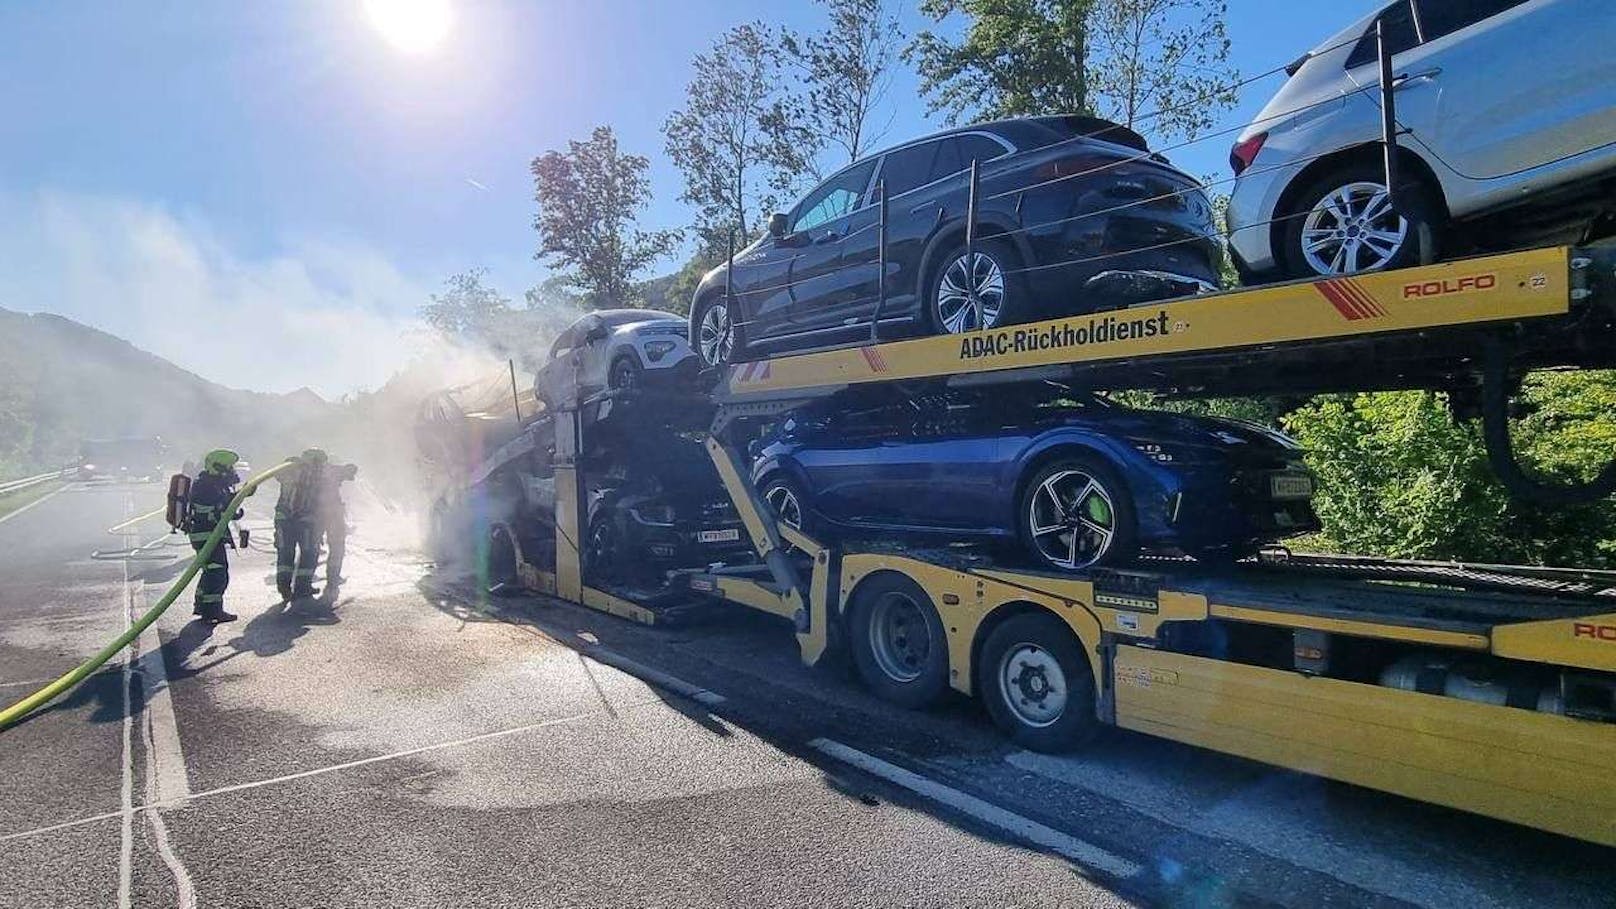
12, 501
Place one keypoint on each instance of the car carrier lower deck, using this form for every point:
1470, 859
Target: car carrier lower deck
1484, 688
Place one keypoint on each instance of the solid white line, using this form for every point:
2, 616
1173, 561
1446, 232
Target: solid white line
126, 824
409, 752
165, 754
49, 495
1080, 851
655, 677
184, 888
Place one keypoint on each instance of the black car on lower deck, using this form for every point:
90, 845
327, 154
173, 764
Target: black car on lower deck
655, 503
1074, 215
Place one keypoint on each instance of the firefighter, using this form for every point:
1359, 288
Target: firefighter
333, 520
297, 528
210, 496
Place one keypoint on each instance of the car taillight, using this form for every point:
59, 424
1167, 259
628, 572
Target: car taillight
1245, 152
1073, 166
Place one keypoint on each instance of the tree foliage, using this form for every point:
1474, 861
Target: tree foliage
1016, 57
1161, 61
1398, 477
472, 312
741, 140
1165, 62
847, 69
590, 197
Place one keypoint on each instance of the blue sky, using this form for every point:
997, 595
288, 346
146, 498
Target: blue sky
279, 164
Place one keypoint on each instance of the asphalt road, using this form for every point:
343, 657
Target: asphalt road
409, 743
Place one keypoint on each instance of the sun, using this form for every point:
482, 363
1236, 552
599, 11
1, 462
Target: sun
412, 26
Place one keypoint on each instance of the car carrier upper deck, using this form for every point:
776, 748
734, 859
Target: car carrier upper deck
1486, 688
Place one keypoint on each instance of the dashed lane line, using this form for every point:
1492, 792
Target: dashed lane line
1019, 826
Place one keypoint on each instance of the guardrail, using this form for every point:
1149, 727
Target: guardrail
11, 486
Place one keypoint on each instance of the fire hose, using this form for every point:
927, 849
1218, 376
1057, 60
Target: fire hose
83, 671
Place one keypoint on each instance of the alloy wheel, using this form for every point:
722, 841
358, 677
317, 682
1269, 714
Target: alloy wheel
1072, 519
900, 639
1353, 229
958, 309
1034, 685
785, 505
716, 335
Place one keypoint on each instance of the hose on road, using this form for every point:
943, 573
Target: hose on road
83, 671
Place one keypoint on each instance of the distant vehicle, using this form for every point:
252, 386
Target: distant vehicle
1074, 215
136, 459
1510, 112
615, 348
1075, 481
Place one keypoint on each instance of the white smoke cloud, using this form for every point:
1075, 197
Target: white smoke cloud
334, 317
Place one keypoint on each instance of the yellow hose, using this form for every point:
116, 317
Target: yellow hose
67, 682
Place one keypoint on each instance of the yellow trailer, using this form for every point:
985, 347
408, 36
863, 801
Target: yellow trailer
1487, 691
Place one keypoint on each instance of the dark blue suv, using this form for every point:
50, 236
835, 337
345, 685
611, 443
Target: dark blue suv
1074, 215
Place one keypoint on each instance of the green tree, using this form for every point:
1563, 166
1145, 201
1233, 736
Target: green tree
847, 69
740, 140
590, 197
1016, 57
1160, 66
1398, 477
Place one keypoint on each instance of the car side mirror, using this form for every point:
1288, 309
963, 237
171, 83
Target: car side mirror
778, 225
595, 333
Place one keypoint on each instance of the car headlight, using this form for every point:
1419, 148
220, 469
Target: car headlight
654, 514
656, 350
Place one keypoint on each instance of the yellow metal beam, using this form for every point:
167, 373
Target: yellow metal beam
1384, 630
1509, 287
1588, 642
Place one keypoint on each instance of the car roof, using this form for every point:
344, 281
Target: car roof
614, 318
1035, 132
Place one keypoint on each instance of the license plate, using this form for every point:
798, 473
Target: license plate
1291, 487
718, 536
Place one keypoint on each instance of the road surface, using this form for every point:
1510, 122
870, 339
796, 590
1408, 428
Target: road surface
411, 743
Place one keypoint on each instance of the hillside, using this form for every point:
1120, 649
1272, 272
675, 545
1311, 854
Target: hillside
62, 382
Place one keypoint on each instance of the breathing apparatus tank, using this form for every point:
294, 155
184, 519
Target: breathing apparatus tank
179, 500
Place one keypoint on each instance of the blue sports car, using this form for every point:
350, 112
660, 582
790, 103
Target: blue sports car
1077, 481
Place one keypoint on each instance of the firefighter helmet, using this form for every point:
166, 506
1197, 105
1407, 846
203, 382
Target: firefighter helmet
314, 455
220, 460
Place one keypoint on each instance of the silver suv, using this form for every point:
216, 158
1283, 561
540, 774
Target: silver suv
1509, 108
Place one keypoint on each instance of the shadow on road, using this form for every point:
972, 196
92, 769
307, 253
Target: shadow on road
274, 630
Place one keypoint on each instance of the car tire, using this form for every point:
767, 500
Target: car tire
1353, 187
710, 349
1102, 534
783, 495
624, 373
997, 280
1037, 684
898, 643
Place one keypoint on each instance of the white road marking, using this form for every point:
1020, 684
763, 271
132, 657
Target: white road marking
49, 495
184, 888
126, 824
654, 676
1025, 828
164, 755
318, 771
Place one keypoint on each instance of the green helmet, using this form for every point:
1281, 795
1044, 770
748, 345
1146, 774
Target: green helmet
220, 460
314, 455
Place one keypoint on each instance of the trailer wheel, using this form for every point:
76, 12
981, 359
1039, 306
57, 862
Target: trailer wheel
898, 642
1036, 683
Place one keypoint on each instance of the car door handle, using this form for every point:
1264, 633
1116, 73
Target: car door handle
1407, 79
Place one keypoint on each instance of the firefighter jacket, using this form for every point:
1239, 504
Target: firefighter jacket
210, 497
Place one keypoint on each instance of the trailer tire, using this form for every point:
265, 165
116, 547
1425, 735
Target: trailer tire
1036, 683
890, 613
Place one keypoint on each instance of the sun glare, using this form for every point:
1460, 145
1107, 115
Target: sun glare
412, 26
